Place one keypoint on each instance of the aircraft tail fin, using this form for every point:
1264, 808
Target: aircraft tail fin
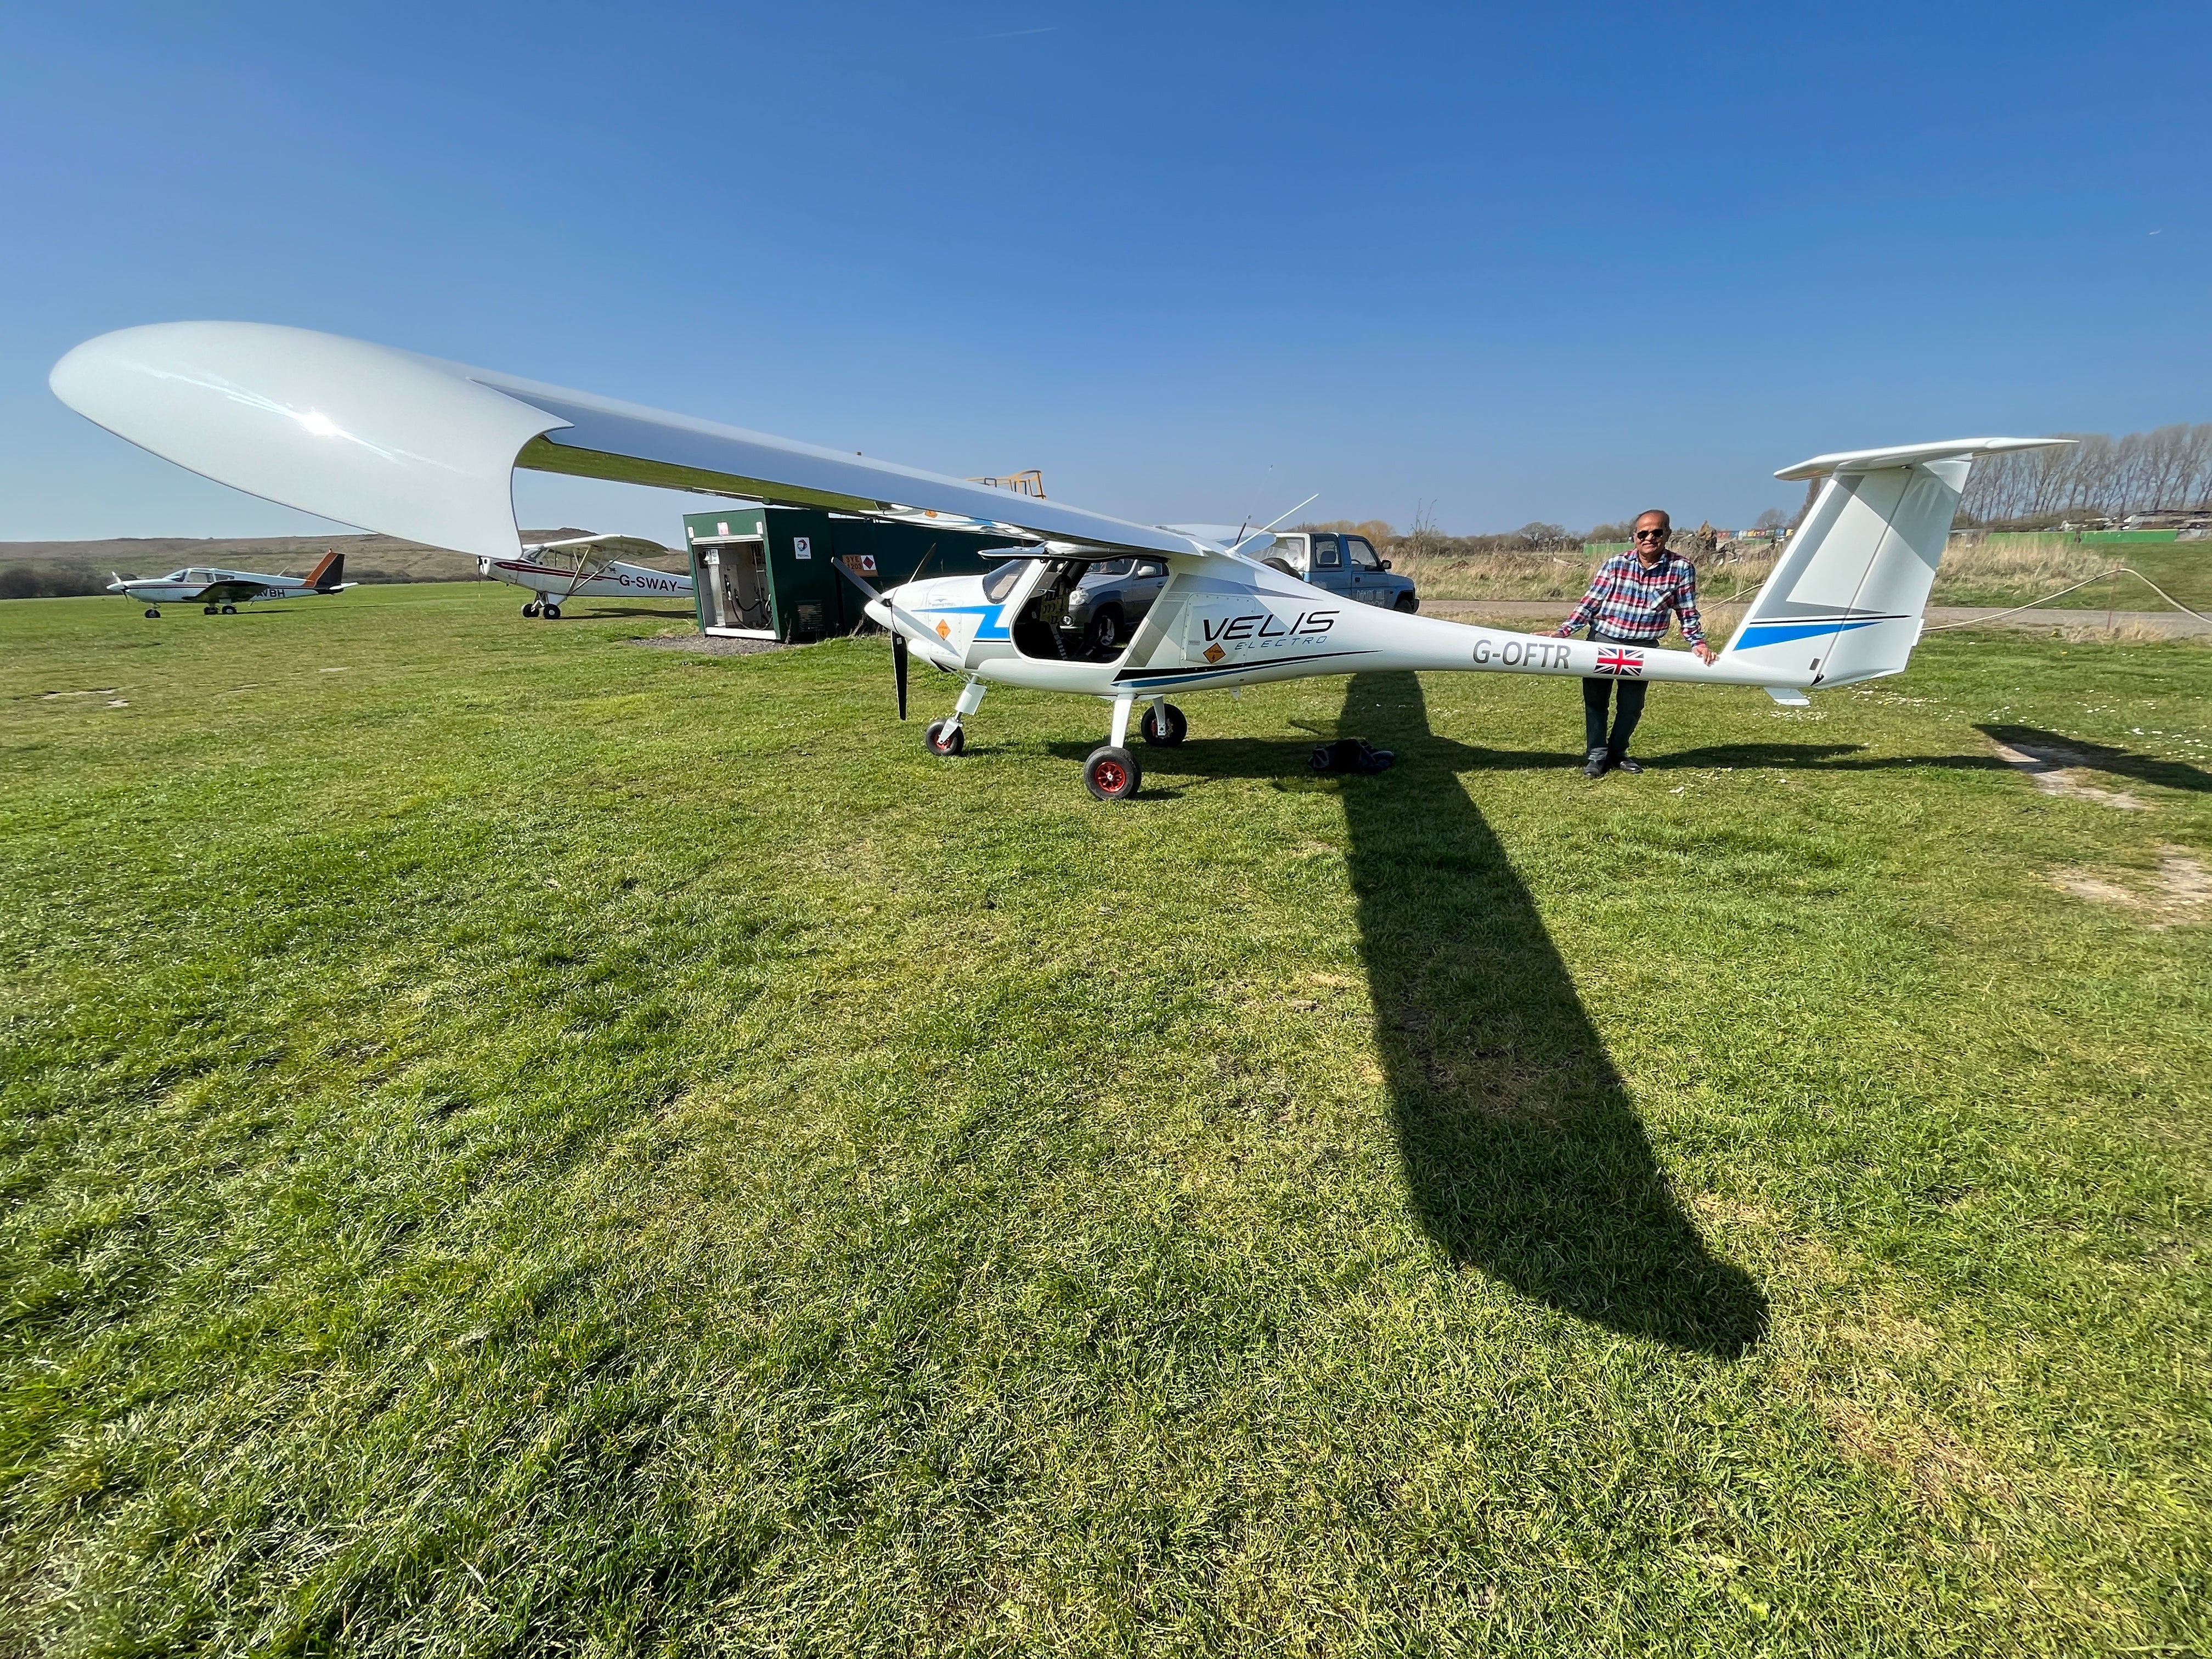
329, 573
1846, 598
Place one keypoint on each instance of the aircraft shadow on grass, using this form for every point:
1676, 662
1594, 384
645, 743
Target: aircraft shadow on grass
1522, 1153
2063, 751
571, 611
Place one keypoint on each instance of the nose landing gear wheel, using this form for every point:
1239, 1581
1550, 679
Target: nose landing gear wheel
530, 610
551, 612
1164, 736
1112, 773
944, 738
153, 614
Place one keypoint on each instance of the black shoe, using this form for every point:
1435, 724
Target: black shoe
1625, 765
1595, 766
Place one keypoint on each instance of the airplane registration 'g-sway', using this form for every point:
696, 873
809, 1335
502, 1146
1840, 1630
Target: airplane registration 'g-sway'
422, 448
586, 567
224, 590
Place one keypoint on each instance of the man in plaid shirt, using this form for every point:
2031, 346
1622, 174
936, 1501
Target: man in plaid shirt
1627, 604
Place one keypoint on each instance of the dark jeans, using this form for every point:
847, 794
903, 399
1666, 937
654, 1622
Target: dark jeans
1596, 691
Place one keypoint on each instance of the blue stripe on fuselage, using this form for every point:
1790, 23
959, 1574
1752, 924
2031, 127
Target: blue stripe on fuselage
1783, 632
988, 628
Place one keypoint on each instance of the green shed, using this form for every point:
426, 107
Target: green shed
764, 573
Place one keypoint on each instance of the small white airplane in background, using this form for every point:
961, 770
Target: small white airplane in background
426, 449
224, 590
585, 567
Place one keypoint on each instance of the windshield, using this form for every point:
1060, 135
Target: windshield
1000, 582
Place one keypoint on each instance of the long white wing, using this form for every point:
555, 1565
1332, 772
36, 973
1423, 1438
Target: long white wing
426, 449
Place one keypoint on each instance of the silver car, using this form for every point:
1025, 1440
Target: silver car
1111, 599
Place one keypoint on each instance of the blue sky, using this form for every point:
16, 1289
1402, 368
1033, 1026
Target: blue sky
1556, 261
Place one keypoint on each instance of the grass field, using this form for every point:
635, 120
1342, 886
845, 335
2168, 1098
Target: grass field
519, 1143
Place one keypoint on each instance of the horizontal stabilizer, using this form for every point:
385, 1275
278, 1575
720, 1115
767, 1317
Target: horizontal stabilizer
1874, 460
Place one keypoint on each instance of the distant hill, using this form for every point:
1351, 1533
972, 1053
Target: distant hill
51, 570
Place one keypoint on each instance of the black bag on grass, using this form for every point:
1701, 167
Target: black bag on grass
1350, 755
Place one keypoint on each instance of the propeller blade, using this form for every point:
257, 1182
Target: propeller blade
898, 668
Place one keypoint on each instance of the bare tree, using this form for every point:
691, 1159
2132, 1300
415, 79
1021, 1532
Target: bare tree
2165, 471
1537, 534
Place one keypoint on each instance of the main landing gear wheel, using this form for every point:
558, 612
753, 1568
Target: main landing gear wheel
530, 610
152, 614
207, 610
1164, 736
943, 738
1112, 773
230, 610
551, 612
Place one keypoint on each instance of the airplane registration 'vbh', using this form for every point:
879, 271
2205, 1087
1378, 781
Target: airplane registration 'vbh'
422, 448
224, 590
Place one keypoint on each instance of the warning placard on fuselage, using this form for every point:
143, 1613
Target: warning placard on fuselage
1256, 630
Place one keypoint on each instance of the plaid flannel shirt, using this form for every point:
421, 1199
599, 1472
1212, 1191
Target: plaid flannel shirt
1627, 602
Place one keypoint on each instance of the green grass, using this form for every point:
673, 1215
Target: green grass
2182, 568
529, 1145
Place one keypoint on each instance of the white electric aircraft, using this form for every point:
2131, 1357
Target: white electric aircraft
584, 566
426, 449
224, 590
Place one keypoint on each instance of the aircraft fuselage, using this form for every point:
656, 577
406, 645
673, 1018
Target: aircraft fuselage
1207, 632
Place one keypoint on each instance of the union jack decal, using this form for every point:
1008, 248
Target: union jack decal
1620, 662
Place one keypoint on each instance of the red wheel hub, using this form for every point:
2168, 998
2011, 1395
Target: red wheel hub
1111, 777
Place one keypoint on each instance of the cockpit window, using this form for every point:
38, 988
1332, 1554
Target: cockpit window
1000, 582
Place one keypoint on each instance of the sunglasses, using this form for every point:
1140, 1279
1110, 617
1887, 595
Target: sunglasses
1653, 535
